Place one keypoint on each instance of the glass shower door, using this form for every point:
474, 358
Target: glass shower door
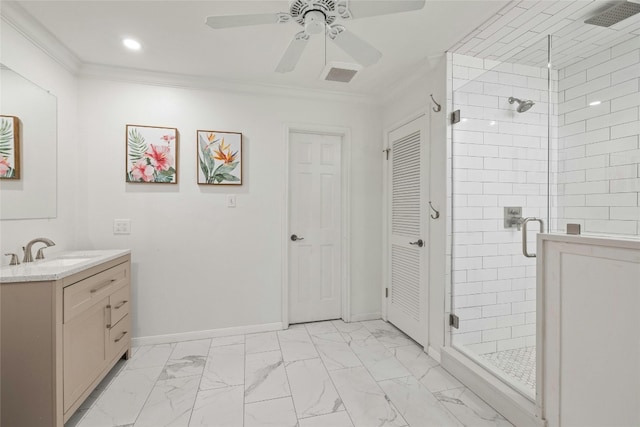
500, 181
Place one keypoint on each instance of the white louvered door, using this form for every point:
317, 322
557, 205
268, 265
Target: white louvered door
408, 242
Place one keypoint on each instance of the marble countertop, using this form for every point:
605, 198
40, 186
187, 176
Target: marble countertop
60, 265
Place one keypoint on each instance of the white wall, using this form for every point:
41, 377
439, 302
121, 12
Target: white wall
25, 58
599, 151
198, 265
402, 105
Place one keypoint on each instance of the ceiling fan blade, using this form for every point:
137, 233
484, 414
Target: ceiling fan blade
354, 46
293, 53
230, 21
364, 9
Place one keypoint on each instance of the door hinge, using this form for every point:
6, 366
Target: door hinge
454, 321
455, 117
386, 150
386, 292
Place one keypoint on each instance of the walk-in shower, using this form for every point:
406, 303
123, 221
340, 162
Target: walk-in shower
568, 153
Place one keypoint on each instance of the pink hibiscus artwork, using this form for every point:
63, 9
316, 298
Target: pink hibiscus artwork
152, 154
9, 147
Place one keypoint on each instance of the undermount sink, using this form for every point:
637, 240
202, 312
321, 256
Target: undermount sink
60, 262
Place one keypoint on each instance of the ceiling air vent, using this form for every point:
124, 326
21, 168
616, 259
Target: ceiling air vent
340, 72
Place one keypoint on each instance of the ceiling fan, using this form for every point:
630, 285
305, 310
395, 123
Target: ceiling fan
316, 16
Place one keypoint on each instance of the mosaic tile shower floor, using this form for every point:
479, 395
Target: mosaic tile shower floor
518, 364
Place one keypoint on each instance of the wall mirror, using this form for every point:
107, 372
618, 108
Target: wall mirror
34, 193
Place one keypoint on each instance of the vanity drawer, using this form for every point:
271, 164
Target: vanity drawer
119, 302
84, 294
119, 337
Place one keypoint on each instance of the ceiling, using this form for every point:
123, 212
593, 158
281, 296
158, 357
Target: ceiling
519, 33
175, 39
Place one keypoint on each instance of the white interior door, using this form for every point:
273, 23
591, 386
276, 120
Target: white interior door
408, 242
314, 227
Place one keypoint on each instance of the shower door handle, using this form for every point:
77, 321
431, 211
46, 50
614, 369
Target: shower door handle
525, 221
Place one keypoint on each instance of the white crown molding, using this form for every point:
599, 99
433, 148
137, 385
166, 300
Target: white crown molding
14, 15
154, 78
421, 70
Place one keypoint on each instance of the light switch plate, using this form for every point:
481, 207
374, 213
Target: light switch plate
231, 200
121, 226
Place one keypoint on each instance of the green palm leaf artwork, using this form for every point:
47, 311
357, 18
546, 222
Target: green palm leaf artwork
137, 146
152, 154
6, 137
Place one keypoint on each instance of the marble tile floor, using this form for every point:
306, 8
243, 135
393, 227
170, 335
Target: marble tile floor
323, 374
519, 364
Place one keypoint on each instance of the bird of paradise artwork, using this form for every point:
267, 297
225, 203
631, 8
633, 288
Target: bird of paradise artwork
219, 157
152, 154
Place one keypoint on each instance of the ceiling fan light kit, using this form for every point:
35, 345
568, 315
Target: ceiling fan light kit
317, 16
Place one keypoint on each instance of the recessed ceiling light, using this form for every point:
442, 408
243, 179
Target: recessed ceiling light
492, 123
131, 44
594, 103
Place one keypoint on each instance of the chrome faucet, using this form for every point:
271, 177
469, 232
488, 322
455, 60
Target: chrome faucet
28, 256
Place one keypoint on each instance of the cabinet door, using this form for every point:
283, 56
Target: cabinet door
84, 350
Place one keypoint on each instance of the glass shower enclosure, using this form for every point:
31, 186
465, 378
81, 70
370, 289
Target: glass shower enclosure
546, 138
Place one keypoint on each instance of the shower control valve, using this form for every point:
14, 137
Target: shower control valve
513, 217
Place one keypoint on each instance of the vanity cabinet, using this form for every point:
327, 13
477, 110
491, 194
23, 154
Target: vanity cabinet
59, 340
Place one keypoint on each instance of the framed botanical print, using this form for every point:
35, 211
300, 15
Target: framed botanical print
219, 157
9, 147
152, 154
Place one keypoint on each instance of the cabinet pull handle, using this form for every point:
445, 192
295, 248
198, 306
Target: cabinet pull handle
117, 307
108, 307
104, 285
120, 337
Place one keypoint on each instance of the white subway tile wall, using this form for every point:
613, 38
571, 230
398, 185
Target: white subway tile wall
599, 151
499, 160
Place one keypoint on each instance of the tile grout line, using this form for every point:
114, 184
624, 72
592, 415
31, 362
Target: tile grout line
413, 376
244, 373
286, 374
427, 389
329, 373
206, 358
387, 398
244, 382
173, 347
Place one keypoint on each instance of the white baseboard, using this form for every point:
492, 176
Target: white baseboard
210, 333
366, 316
434, 353
519, 410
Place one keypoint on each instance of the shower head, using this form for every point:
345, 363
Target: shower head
618, 12
523, 104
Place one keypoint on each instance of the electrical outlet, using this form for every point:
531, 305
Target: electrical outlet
121, 226
231, 200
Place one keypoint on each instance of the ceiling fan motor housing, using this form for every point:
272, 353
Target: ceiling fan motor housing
329, 8
314, 22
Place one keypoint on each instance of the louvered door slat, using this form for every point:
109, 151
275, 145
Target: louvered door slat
405, 210
406, 182
405, 286
406, 304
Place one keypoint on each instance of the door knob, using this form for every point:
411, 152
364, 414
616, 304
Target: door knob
420, 243
295, 238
